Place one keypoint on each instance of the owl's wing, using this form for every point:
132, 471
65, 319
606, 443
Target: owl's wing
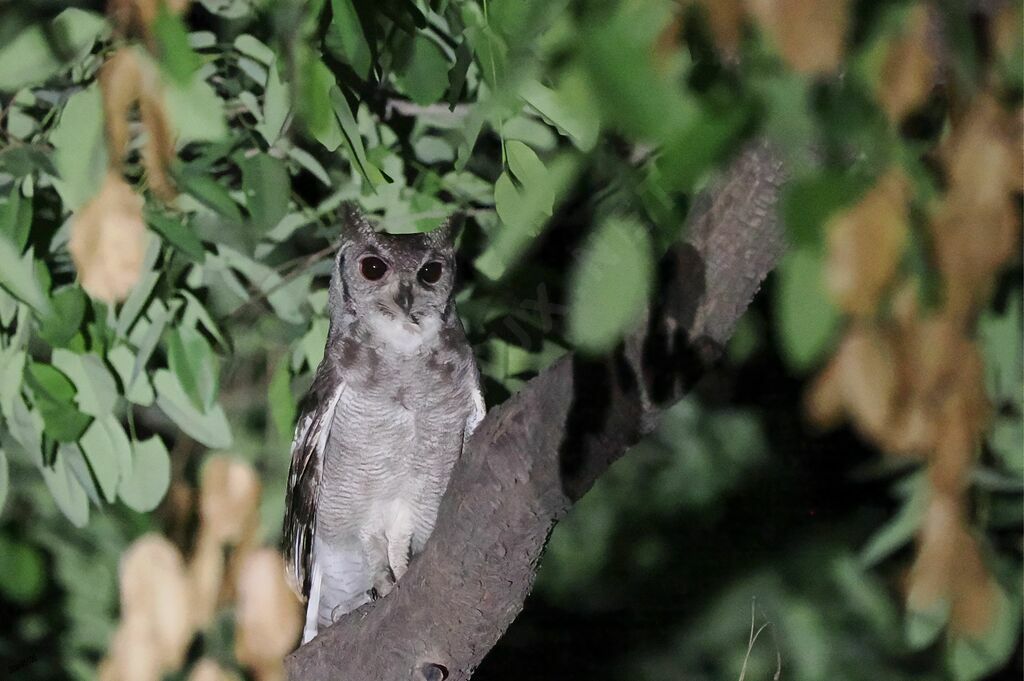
476, 415
311, 433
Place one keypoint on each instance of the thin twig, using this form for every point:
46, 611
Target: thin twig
303, 264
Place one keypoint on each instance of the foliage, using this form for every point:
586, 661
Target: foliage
170, 174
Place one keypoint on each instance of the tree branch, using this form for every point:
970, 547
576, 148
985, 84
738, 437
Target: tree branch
540, 451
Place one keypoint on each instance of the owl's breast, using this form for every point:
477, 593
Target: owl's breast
395, 437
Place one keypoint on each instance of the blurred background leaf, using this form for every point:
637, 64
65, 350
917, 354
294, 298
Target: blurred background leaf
576, 138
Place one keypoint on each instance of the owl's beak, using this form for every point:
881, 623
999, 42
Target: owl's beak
404, 297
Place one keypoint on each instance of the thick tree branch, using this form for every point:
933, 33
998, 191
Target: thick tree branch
540, 451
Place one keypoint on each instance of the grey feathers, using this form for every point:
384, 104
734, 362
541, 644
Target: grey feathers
391, 405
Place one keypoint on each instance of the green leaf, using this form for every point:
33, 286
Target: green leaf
195, 110
177, 58
208, 192
899, 531
192, 360
255, 48
807, 204
973, 658
5, 483
350, 130
457, 74
424, 76
611, 284
315, 106
150, 476
1005, 437
1003, 344
23, 569
96, 389
80, 153
137, 300
807, 321
523, 215
25, 428
229, 9
276, 107
16, 218
512, 206
53, 394
531, 173
571, 109
196, 314
692, 151
923, 626
789, 122
619, 53
281, 400
39, 52
66, 314
108, 451
345, 38
18, 277
208, 427
267, 189
286, 299
312, 344
23, 160
137, 390
66, 489
158, 317
12, 368
178, 234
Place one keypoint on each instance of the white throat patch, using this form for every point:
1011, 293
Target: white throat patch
402, 335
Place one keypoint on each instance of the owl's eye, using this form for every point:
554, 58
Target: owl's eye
372, 267
431, 272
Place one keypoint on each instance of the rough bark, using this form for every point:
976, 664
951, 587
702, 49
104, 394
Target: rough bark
540, 451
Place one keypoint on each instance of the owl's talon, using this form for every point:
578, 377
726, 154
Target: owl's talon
382, 584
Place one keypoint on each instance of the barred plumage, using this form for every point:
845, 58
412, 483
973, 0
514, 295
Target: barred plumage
390, 407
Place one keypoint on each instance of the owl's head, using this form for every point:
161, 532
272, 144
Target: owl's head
394, 282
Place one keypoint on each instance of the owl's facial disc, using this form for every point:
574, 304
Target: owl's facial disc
399, 286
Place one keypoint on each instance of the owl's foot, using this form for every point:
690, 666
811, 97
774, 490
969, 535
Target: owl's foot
383, 583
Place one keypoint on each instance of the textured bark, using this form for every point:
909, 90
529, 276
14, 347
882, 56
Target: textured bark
540, 451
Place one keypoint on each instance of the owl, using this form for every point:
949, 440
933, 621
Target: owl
388, 413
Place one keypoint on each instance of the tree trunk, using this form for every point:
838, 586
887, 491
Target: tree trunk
540, 451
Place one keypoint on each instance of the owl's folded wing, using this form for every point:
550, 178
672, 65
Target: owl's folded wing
311, 433
476, 415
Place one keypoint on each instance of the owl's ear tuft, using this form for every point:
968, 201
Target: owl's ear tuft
354, 224
444, 235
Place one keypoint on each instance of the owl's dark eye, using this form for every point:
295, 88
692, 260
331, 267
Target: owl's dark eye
431, 272
372, 267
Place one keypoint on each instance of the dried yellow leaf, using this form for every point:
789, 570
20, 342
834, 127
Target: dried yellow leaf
824, 401
868, 375
207, 669
908, 71
135, 17
268, 616
108, 241
810, 34
865, 246
205, 578
725, 21
120, 83
229, 500
974, 606
154, 598
133, 654
955, 447
939, 545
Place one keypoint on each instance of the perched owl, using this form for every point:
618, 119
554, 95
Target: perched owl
391, 405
